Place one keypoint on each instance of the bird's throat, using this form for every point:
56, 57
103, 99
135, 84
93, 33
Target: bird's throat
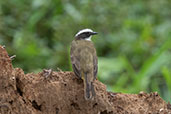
88, 39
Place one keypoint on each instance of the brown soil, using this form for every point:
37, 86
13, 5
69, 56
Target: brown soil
62, 93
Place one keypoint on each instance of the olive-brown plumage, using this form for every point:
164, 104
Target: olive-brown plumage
84, 62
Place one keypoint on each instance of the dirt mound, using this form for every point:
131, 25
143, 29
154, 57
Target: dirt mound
62, 93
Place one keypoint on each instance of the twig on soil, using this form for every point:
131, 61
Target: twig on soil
12, 57
47, 72
60, 70
3, 46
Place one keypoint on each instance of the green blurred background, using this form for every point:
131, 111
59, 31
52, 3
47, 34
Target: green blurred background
133, 44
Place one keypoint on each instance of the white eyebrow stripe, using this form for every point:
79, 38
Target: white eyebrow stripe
82, 31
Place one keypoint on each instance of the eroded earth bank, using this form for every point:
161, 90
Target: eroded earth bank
62, 93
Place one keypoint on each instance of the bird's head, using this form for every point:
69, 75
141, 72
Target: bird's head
85, 34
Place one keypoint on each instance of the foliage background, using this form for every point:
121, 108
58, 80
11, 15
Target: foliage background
133, 44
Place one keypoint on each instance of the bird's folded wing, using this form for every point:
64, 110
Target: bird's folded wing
75, 63
95, 62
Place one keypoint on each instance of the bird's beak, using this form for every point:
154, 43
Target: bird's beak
94, 33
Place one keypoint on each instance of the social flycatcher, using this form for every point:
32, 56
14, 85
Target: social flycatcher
84, 60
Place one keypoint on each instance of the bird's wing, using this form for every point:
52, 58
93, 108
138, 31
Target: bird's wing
95, 62
75, 61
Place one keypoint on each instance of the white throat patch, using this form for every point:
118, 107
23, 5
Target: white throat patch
88, 39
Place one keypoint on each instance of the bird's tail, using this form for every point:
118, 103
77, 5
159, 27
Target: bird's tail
88, 87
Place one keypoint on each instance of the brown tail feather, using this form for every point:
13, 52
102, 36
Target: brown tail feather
88, 89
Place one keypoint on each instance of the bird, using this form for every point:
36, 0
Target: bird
84, 60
